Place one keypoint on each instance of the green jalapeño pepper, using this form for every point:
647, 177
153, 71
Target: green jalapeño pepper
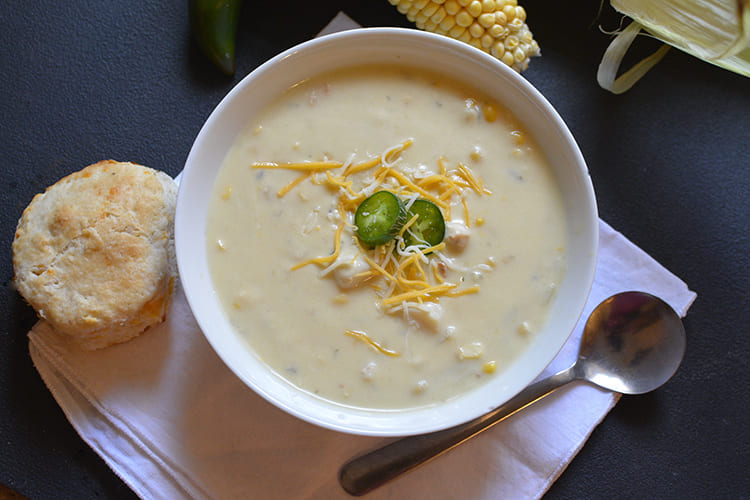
429, 228
379, 218
214, 26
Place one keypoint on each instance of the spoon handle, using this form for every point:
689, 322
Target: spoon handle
367, 472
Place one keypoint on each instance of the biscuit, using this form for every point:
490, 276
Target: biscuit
94, 253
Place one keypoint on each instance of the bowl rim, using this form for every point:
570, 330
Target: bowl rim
336, 416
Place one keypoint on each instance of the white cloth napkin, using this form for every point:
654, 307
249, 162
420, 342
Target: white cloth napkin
173, 422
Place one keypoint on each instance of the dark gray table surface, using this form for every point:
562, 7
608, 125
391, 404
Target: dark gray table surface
670, 160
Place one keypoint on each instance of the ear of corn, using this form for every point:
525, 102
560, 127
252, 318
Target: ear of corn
717, 31
709, 29
497, 27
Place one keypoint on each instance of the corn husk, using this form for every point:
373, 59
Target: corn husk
717, 31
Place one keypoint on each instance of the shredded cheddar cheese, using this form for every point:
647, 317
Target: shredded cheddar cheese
367, 340
281, 192
467, 217
473, 181
465, 291
401, 277
329, 258
407, 225
408, 183
429, 292
377, 267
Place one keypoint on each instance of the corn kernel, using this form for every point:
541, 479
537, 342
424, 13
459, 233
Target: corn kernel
518, 138
474, 8
486, 20
430, 9
487, 41
508, 58
419, 4
464, 3
479, 221
498, 50
447, 23
464, 19
403, 7
420, 19
420, 387
465, 37
489, 112
456, 31
341, 298
488, 5
474, 42
411, 14
489, 367
501, 18
476, 30
430, 25
498, 31
472, 350
439, 2
510, 12
519, 55
520, 13
438, 16
452, 7
515, 25
511, 42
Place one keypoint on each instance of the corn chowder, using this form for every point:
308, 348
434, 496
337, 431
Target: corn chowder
406, 322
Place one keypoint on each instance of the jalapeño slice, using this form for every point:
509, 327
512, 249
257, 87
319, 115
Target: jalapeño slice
429, 228
379, 218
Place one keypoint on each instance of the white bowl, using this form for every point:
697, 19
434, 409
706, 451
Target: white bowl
404, 47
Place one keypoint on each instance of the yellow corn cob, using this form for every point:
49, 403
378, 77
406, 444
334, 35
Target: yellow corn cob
497, 27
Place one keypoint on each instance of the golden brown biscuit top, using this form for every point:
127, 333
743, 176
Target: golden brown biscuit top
94, 247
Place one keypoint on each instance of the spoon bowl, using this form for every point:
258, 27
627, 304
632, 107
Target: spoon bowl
632, 343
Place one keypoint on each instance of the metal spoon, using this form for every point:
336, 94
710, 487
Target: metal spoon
632, 343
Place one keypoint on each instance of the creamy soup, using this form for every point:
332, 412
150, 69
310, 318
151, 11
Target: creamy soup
385, 327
